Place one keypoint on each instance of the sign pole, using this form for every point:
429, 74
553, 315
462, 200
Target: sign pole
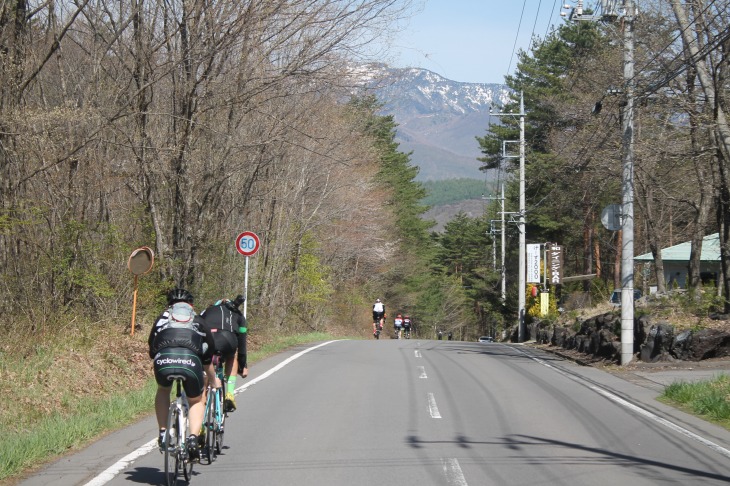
140, 262
134, 304
247, 244
245, 289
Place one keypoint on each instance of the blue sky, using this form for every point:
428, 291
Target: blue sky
473, 40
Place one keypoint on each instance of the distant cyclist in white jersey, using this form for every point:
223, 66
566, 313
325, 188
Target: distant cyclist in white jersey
398, 325
378, 315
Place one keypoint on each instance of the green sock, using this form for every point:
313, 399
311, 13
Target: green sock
231, 385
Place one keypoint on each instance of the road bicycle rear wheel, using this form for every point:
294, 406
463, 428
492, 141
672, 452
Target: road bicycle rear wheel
172, 447
185, 462
219, 428
209, 450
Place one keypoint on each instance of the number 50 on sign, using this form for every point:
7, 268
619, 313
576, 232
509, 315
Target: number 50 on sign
248, 243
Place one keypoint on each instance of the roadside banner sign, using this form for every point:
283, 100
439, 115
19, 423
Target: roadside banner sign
533, 263
555, 264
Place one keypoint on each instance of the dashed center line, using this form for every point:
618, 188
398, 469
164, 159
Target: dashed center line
418, 354
422, 370
432, 408
452, 471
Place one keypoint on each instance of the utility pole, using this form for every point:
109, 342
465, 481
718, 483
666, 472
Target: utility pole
627, 186
610, 13
521, 329
502, 233
521, 225
504, 242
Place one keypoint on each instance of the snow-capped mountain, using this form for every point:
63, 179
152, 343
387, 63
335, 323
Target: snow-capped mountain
438, 119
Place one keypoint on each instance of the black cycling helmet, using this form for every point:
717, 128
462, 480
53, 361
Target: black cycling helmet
179, 295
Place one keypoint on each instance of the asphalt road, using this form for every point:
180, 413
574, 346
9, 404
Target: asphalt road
417, 412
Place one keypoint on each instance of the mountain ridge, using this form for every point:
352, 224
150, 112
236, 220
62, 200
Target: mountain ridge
438, 119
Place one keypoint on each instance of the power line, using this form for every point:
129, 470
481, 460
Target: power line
517, 36
537, 14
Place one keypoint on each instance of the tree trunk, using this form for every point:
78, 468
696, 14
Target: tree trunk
693, 40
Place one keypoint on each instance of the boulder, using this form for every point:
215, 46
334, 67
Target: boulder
600, 337
658, 343
709, 343
680, 347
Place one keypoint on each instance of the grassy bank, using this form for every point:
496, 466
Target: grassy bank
53, 415
707, 399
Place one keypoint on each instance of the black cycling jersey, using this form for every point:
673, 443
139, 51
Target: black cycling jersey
181, 350
197, 338
229, 330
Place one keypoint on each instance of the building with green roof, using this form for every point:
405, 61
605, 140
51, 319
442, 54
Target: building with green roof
676, 261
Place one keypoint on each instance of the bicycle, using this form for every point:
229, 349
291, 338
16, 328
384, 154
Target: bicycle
215, 415
378, 328
176, 453
407, 333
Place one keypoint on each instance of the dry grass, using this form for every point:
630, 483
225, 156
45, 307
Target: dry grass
56, 371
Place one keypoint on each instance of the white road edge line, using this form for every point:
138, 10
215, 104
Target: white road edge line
422, 370
108, 474
432, 408
452, 471
641, 411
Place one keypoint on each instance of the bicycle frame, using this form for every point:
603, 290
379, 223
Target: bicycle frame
215, 415
176, 432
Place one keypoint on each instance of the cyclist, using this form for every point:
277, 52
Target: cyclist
398, 325
407, 326
228, 326
378, 315
180, 344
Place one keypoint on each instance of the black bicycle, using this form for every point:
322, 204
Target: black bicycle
177, 459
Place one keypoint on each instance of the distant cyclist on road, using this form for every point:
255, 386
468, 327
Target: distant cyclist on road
378, 315
407, 326
398, 325
180, 344
228, 327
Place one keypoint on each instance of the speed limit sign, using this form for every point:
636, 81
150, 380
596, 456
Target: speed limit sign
247, 243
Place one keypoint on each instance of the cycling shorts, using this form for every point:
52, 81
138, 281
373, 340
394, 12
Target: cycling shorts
226, 343
182, 362
377, 316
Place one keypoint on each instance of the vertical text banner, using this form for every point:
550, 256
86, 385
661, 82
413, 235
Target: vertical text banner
555, 264
533, 263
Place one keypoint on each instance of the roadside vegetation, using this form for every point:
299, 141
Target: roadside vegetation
707, 399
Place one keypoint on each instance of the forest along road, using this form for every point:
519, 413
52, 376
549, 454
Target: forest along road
418, 412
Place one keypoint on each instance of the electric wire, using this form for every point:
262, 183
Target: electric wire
517, 36
552, 14
717, 41
534, 25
